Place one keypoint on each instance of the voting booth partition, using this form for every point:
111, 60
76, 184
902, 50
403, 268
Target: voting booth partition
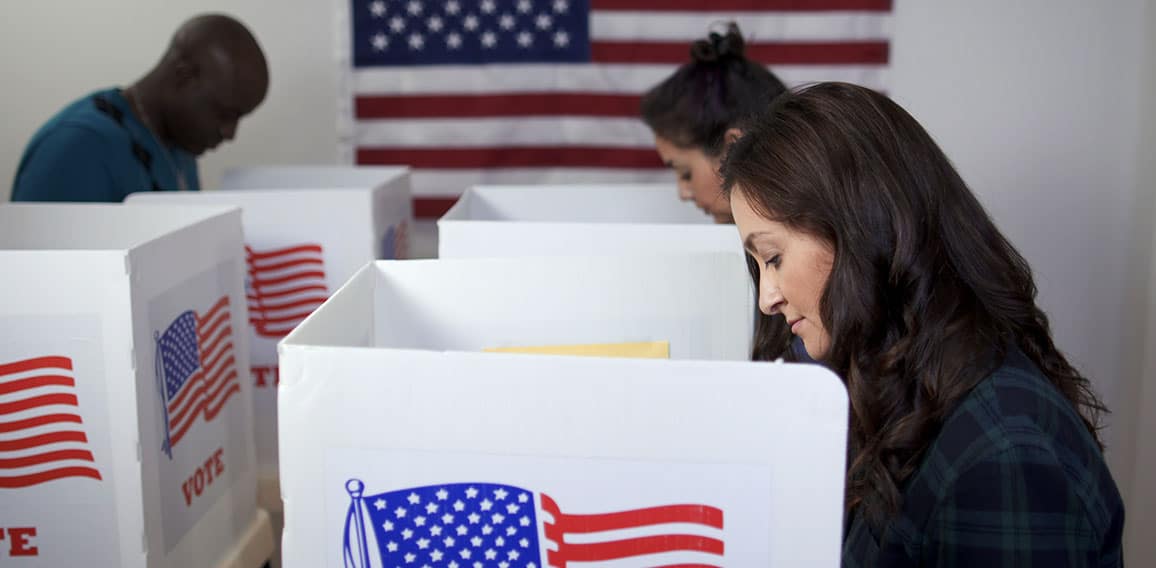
404, 442
300, 246
125, 413
391, 183
551, 220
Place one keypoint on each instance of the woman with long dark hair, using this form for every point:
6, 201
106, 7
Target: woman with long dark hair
973, 440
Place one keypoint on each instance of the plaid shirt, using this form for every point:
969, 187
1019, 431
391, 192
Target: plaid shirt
1013, 479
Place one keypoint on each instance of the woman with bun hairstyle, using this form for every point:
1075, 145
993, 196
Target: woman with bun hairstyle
696, 111
973, 441
694, 114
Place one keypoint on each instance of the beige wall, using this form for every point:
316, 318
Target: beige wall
55, 52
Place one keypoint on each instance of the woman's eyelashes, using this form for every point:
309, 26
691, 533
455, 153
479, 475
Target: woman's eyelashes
774, 261
684, 176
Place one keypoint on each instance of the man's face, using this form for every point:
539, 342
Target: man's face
212, 95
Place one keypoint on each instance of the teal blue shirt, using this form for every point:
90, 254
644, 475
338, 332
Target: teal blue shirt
82, 154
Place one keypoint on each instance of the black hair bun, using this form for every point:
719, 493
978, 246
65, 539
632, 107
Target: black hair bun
719, 47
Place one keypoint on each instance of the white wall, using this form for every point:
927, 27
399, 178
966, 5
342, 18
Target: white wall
1041, 104
1038, 103
1142, 411
55, 52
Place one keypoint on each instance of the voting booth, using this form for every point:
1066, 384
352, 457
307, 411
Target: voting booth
547, 220
415, 240
125, 413
300, 246
403, 442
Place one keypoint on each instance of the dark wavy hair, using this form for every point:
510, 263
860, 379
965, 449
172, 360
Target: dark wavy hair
925, 297
694, 107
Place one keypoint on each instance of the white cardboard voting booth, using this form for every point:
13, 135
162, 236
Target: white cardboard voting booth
301, 245
550, 220
418, 239
403, 444
125, 420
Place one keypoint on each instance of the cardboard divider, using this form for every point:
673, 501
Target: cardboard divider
575, 220
301, 245
404, 427
128, 425
421, 234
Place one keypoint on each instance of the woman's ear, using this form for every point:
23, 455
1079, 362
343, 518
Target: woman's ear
731, 136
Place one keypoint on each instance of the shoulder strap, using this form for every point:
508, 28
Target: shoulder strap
139, 152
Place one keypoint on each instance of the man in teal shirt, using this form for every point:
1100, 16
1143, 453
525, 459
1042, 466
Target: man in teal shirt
147, 136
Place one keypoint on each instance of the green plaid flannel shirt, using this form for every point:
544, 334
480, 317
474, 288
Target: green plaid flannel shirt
1013, 479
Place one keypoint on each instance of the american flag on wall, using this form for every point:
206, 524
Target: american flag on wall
476, 525
41, 430
547, 91
196, 369
284, 286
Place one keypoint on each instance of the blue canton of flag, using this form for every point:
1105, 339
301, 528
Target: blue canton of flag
180, 356
454, 525
440, 32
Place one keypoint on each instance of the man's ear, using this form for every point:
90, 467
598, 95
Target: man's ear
186, 71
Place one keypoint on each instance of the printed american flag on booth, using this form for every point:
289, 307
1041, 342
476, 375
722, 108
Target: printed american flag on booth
285, 285
42, 434
196, 370
547, 91
475, 525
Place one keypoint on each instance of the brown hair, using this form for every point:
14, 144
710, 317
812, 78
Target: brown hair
694, 107
925, 297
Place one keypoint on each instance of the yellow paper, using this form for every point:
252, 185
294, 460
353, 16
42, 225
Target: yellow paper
637, 350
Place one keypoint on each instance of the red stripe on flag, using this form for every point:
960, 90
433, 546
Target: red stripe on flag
695, 514
212, 410
252, 254
288, 292
37, 363
482, 106
209, 406
177, 407
36, 401
432, 207
209, 349
289, 278
786, 53
265, 315
288, 264
37, 478
272, 306
47, 457
513, 157
744, 5
41, 440
565, 524
35, 382
209, 327
38, 421
218, 307
603, 551
294, 318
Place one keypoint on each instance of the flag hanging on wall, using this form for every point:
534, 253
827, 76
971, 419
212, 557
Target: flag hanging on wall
547, 91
